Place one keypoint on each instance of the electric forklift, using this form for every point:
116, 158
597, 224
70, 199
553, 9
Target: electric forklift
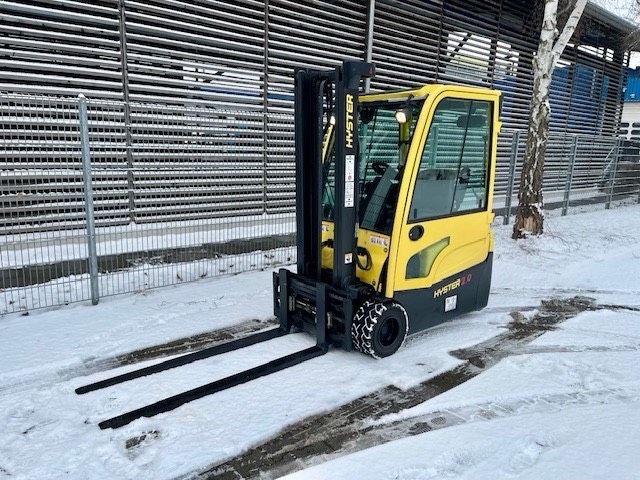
394, 198
393, 209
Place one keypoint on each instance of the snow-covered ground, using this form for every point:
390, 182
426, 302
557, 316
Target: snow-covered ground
566, 406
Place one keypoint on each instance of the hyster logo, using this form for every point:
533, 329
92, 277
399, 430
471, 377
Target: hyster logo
452, 286
349, 122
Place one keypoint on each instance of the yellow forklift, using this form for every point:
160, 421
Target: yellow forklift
393, 211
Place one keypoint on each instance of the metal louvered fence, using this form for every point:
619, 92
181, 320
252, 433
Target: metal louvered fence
200, 192
240, 54
164, 194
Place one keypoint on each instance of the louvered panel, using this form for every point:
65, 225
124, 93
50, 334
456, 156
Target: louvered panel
515, 51
191, 161
470, 35
302, 34
310, 34
60, 47
405, 43
197, 73
280, 166
519, 30
42, 185
560, 95
204, 53
615, 80
196, 81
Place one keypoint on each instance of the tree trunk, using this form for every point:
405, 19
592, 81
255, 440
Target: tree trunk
530, 214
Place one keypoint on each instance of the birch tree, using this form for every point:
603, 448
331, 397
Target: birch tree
530, 214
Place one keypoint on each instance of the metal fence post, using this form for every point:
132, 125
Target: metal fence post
124, 63
265, 110
636, 144
567, 185
88, 198
515, 143
368, 54
614, 171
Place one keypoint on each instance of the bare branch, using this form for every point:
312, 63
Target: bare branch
569, 28
564, 10
632, 41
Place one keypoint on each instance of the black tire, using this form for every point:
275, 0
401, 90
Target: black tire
379, 328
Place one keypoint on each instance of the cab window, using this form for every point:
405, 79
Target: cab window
383, 142
452, 176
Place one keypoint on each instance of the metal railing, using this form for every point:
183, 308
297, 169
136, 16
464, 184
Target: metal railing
581, 172
95, 206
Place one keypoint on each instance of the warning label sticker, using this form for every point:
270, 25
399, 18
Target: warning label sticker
349, 168
348, 194
349, 179
450, 303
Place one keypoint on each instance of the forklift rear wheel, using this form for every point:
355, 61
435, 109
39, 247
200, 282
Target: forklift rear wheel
379, 328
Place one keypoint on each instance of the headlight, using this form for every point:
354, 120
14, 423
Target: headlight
402, 115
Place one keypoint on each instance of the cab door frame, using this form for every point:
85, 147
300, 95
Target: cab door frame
396, 271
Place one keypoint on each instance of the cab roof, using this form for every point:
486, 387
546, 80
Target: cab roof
423, 92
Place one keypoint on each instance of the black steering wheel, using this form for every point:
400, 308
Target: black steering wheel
379, 167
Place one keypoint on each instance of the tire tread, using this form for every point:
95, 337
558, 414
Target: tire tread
364, 322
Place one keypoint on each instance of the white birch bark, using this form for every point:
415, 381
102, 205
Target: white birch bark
530, 215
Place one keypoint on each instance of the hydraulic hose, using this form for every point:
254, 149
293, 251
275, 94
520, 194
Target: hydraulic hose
361, 251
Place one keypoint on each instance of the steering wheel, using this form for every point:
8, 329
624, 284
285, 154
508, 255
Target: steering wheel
465, 175
379, 167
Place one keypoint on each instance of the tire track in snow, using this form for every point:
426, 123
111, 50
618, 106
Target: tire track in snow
392, 428
348, 429
537, 349
535, 292
402, 426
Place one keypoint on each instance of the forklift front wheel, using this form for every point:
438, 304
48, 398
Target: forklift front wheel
379, 328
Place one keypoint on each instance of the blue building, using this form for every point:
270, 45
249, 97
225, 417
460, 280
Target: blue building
630, 122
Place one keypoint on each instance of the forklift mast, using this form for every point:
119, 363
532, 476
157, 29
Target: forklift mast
311, 87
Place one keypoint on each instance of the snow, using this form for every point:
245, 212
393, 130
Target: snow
563, 406
593, 251
571, 443
533, 416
